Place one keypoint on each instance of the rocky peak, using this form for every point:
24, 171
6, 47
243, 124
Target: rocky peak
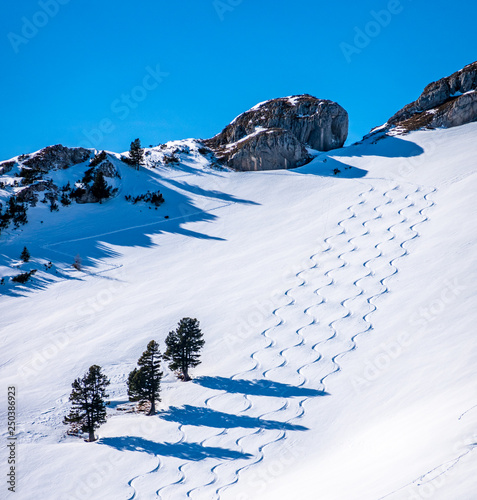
448, 102
56, 157
319, 123
274, 134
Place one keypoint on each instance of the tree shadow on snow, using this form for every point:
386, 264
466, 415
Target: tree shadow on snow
183, 451
206, 417
258, 387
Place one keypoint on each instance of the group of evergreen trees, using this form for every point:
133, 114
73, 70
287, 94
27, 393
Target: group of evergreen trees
17, 212
99, 187
88, 396
14, 212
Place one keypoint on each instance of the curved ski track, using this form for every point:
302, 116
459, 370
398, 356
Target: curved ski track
308, 343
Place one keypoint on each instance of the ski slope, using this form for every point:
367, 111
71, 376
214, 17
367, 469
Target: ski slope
338, 313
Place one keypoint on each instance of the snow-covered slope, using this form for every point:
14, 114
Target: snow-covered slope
338, 313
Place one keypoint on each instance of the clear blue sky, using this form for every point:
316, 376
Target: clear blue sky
102, 73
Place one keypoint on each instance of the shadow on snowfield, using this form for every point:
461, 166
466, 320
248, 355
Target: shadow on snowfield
206, 417
183, 451
385, 146
258, 387
93, 232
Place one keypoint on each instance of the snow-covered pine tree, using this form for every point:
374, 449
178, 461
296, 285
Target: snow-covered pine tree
88, 405
145, 382
183, 346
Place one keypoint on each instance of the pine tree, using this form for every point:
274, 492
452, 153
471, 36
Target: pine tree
183, 346
145, 382
136, 153
65, 199
88, 405
100, 188
25, 255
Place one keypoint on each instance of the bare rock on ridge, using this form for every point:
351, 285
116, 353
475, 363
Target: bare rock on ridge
319, 123
268, 149
56, 157
274, 134
449, 102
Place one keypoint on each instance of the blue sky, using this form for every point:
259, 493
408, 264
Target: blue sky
100, 74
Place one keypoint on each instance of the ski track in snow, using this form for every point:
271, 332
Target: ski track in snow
220, 475
438, 471
433, 474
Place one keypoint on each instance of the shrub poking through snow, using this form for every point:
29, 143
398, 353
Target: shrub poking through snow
77, 263
23, 277
170, 160
153, 198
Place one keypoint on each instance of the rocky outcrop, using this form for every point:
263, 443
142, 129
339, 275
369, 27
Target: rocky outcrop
6, 167
449, 102
274, 134
85, 195
108, 169
29, 194
268, 149
57, 157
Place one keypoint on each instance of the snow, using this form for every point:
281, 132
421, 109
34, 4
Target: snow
338, 314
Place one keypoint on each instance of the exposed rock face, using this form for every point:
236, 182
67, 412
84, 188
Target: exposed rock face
108, 169
265, 150
6, 167
87, 197
57, 157
30, 193
449, 102
273, 134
